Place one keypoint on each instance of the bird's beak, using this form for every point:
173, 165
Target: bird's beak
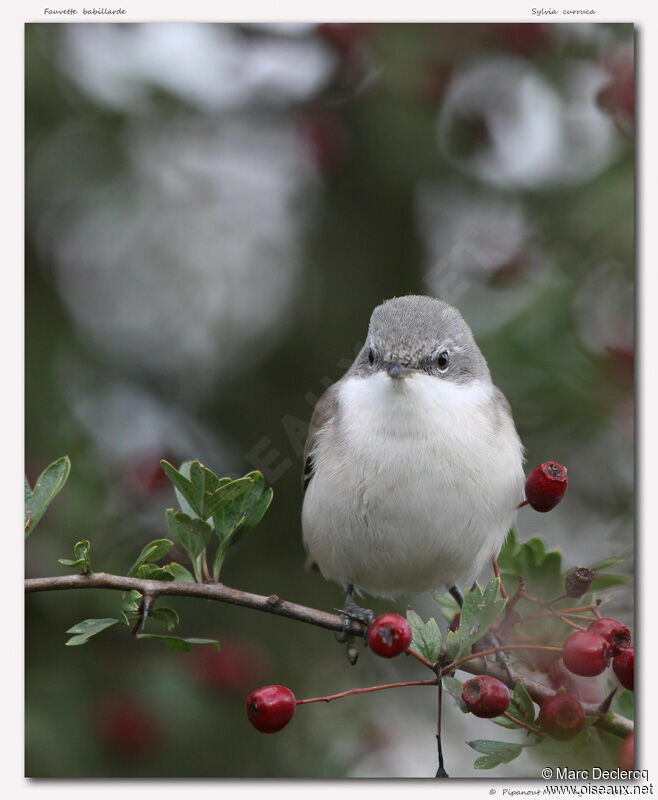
398, 371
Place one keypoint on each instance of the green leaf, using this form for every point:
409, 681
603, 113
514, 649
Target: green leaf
192, 535
229, 504
600, 566
607, 581
479, 611
223, 546
81, 549
426, 636
187, 489
81, 557
179, 572
130, 605
624, 703
453, 645
86, 629
522, 704
541, 569
153, 551
152, 572
495, 752
454, 688
48, 485
166, 616
68, 563
521, 707
176, 642
447, 605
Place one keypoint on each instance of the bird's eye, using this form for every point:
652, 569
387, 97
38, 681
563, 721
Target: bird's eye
442, 361
371, 356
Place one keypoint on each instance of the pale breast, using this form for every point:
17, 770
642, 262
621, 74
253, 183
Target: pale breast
415, 484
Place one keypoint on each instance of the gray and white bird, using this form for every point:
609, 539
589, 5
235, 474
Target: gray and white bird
413, 468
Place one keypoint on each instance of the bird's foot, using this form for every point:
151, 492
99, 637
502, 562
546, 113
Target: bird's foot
352, 612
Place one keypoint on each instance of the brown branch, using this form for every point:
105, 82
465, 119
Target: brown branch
207, 591
611, 722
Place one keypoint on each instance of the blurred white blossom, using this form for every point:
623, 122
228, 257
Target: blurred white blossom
211, 67
503, 122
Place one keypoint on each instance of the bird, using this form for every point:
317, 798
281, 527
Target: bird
412, 466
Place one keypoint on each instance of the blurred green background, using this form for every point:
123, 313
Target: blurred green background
212, 212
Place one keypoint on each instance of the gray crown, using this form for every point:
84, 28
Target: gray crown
414, 331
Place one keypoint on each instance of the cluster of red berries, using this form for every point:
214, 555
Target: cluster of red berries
585, 653
589, 652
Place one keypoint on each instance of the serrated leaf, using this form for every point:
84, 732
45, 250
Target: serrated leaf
86, 629
178, 643
179, 572
495, 752
185, 487
153, 551
479, 611
48, 485
454, 687
192, 535
453, 645
166, 616
229, 504
426, 636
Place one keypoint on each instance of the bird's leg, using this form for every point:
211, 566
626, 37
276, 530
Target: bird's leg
456, 592
351, 611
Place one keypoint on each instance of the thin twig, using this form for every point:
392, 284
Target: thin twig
493, 650
496, 571
365, 690
420, 658
441, 772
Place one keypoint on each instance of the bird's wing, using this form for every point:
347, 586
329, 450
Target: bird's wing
323, 413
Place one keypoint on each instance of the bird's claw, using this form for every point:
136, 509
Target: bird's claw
350, 613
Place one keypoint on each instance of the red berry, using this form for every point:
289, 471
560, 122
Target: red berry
271, 708
562, 717
614, 632
546, 485
485, 696
389, 635
624, 668
586, 653
627, 753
